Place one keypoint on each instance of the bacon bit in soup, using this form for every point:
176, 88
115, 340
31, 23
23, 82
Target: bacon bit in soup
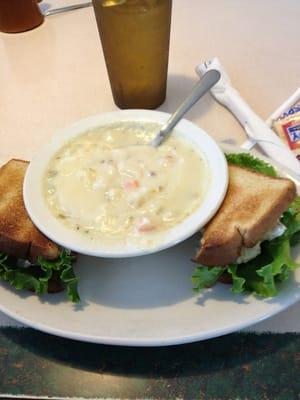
169, 158
166, 160
131, 185
145, 225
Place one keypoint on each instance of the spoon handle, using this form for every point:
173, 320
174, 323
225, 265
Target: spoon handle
52, 11
209, 79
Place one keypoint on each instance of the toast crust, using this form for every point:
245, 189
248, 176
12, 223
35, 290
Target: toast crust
18, 236
252, 206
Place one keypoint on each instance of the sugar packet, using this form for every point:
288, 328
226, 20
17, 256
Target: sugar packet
287, 126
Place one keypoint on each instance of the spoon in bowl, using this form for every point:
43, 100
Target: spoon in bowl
209, 79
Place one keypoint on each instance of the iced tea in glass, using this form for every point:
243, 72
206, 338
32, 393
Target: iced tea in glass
19, 15
135, 38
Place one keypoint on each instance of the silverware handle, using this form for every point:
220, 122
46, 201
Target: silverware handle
209, 79
67, 8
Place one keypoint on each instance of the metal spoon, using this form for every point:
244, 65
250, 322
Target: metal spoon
53, 11
209, 79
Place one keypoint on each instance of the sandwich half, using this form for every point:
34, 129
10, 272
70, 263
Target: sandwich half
28, 259
247, 243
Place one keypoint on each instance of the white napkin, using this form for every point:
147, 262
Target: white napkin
255, 127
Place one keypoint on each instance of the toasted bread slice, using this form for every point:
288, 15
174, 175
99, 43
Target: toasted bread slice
252, 206
18, 236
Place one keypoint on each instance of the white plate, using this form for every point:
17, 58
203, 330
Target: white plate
53, 228
145, 301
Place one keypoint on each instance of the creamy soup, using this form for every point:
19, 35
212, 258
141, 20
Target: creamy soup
109, 184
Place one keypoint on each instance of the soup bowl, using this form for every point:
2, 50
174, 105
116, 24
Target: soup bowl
41, 215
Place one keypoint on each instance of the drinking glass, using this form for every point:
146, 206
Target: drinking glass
135, 38
19, 15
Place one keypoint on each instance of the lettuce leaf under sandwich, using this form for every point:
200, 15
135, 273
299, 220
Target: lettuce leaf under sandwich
273, 265
42, 277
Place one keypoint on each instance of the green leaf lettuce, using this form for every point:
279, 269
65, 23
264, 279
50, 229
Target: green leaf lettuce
246, 160
262, 274
39, 277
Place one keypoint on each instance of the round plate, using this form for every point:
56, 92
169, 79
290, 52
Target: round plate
145, 301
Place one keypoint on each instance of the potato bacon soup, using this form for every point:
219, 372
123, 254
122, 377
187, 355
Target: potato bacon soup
108, 183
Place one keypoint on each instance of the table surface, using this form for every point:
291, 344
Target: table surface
55, 74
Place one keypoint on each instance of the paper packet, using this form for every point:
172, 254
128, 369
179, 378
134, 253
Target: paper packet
287, 126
